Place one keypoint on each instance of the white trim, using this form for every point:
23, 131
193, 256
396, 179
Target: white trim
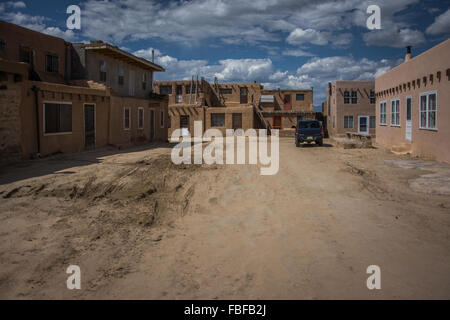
427, 94
367, 124
143, 118
129, 118
43, 118
95, 123
385, 113
399, 113
161, 112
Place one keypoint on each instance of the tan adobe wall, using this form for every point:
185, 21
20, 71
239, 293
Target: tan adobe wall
12, 90
407, 79
42, 44
120, 135
246, 113
338, 110
194, 113
186, 98
77, 97
234, 99
112, 75
301, 105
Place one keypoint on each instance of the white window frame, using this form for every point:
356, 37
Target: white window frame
427, 110
143, 118
43, 119
385, 113
397, 112
161, 119
129, 119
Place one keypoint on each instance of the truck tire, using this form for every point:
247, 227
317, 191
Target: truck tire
320, 143
297, 143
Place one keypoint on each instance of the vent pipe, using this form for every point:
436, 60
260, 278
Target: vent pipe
408, 53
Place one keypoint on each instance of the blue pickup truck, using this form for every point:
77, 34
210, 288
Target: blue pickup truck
309, 131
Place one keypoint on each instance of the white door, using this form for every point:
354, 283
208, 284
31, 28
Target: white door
363, 124
408, 126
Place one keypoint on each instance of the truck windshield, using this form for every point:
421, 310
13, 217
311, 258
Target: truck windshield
308, 124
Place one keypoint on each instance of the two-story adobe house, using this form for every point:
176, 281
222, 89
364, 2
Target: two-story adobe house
350, 107
66, 98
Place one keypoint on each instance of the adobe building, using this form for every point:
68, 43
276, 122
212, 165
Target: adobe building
45, 54
218, 106
413, 102
234, 105
47, 110
282, 109
350, 107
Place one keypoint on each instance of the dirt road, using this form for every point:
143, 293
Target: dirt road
141, 227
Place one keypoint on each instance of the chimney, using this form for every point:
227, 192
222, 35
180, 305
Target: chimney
408, 53
153, 56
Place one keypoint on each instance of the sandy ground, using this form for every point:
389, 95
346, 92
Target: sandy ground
141, 227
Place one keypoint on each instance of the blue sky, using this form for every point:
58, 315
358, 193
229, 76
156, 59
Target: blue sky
280, 43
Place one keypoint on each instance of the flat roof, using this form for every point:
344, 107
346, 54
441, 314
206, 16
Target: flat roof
115, 52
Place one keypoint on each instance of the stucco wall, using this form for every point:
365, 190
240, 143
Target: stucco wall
10, 124
42, 44
338, 110
92, 72
120, 135
408, 80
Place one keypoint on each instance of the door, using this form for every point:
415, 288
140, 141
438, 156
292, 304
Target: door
363, 124
287, 102
184, 125
89, 126
152, 124
276, 124
244, 95
408, 126
179, 94
237, 121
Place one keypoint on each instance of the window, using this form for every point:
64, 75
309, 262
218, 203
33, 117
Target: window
188, 89
25, 54
372, 97
165, 90
346, 97
121, 75
57, 118
428, 110
140, 118
51, 63
299, 97
354, 97
184, 121
126, 119
237, 120
383, 117
225, 91
2, 45
161, 118
395, 112
373, 121
102, 71
348, 122
217, 119
144, 81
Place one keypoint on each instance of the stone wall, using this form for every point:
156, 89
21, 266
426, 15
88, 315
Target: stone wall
10, 121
